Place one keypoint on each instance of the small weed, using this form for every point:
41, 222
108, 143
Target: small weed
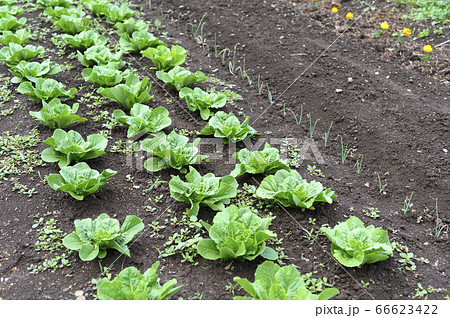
50, 240
371, 212
422, 293
313, 171
407, 258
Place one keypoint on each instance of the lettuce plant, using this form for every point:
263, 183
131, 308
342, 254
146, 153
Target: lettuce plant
11, 10
85, 39
72, 24
353, 245
179, 77
143, 120
228, 127
31, 71
237, 234
100, 55
54, 3
92, 238
55, 13
288, 188
164, 58
130, 26
207, 190
198, 99
57, 115
267, 161
130, 284
9, 22
97, 6
19, 37
45, 89
116, 14
171, 151
105, 75
79, 180
14, 53
273, 282
132, 92
138, 41
7, 2
70, 147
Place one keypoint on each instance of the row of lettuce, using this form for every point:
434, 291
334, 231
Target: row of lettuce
236, 233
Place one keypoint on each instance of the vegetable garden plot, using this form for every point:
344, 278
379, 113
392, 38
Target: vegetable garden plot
152, 96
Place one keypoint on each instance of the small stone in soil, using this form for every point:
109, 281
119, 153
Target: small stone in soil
78, 293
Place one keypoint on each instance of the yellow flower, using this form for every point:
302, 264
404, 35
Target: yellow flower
349, 15
384, 25
334, 10
428, 48
406, 32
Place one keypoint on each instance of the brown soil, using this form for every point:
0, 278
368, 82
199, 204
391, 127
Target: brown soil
394, 116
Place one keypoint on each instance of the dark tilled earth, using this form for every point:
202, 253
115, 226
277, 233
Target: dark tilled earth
395, 118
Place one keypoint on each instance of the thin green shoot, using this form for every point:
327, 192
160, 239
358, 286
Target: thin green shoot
380, 184
269, 94
327, 134
311, 126
344, 151
298, 120
234, 57
260, 85
407, 203
359, 164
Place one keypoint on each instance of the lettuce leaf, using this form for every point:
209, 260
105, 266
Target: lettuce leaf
164, 58
143, 120
70, 147
288, 188
171, 151
228, 127
198, 99
93, 237
57, 115
130, 26
353, 244
237, 233
207, 190
45, 89
31, 71
179, 77
14, 53
85, 39
100, 55
105, 75
20, 37
79, 180
130, 284
138, 41
267, 161
133, 91
273, 282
